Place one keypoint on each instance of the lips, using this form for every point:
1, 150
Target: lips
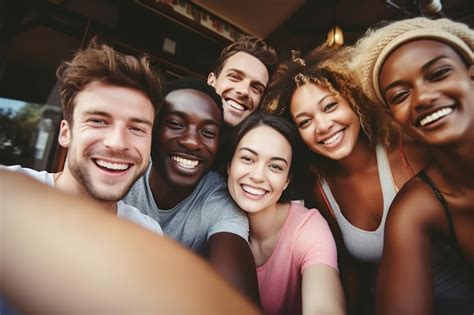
235, 105
112, 166
332, 139
428, 118
257, 192
187, 163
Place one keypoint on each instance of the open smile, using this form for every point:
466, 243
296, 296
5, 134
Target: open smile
334, 138
426, 120
112, 166
253, 191
187, 163
235, 105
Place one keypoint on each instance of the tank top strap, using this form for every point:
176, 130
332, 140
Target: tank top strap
386, 178
425, 178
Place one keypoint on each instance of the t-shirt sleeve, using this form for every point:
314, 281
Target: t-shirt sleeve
227, 216
315, 243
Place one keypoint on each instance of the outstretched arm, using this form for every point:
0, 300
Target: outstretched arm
232, 258
322, 291
60, 254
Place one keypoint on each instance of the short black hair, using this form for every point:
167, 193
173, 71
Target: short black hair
193, 83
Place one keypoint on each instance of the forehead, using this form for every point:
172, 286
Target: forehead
308, 94
247, 64
266, 141
114, 100
194, 103
416, 53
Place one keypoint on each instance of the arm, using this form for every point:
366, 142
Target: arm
53, 260
231, 256
404, 283
322, 291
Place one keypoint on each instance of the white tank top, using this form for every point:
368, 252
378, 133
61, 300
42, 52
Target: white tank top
366, 245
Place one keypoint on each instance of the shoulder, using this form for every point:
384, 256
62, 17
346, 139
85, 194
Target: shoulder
415, 209
42, 176
133, 214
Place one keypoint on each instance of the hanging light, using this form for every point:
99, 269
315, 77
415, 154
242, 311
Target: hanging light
335, 37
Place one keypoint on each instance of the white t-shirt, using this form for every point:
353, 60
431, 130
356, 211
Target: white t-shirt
123, 210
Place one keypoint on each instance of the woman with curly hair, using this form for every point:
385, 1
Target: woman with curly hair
422, 72
356, 169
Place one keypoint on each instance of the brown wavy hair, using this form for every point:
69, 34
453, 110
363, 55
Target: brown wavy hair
101, 63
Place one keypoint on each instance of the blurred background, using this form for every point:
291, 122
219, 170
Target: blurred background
183, 37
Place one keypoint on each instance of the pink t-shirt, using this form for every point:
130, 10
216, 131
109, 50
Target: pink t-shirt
304, 240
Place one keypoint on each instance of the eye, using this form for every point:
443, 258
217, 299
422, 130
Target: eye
97, 121
276, 167
329, 106
258, 89
246, 159
304, 123
138, 130
174, 124
439, 74
209, 133
398, 97
233, 76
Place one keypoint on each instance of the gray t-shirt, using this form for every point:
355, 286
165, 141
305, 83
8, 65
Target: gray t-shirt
209, 209
123, 210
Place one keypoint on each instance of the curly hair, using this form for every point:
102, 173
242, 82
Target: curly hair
101, 63
325, 67
252, 45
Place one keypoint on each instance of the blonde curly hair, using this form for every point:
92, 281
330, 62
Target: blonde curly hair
370, 52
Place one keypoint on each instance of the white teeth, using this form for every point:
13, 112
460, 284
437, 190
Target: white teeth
333, 138
185, 162
112, 166
235, 105
253, 191
436, 115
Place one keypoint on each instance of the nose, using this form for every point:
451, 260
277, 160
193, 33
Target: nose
257, 173
423, 96
323, 123
116, 139
243, 88
191, 140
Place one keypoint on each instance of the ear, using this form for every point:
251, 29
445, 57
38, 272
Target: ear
211, 79
471, 72
64, 137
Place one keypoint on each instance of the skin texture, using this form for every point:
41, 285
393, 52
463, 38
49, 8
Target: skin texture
241, 84
189, 128
319, 115
258, 174
38, 279
429, 75
111, 128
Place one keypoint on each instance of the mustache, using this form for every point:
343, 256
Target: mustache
111, 154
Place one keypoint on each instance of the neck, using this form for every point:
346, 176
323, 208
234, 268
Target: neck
360, 159
266, 224
456, 163
66, 182
165, 195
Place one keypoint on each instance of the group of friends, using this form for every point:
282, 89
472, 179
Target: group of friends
337, 182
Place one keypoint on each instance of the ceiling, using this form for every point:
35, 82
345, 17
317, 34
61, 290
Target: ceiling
300, 24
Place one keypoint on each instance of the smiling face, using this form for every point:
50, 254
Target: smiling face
326, 122
430, 91
187, 137
259, 169
108, 141
241, 84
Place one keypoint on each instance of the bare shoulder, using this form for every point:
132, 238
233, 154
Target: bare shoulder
414, 207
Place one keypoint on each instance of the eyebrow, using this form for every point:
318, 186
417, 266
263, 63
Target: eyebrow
271, 159
318, 103
423, 68
105, 114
